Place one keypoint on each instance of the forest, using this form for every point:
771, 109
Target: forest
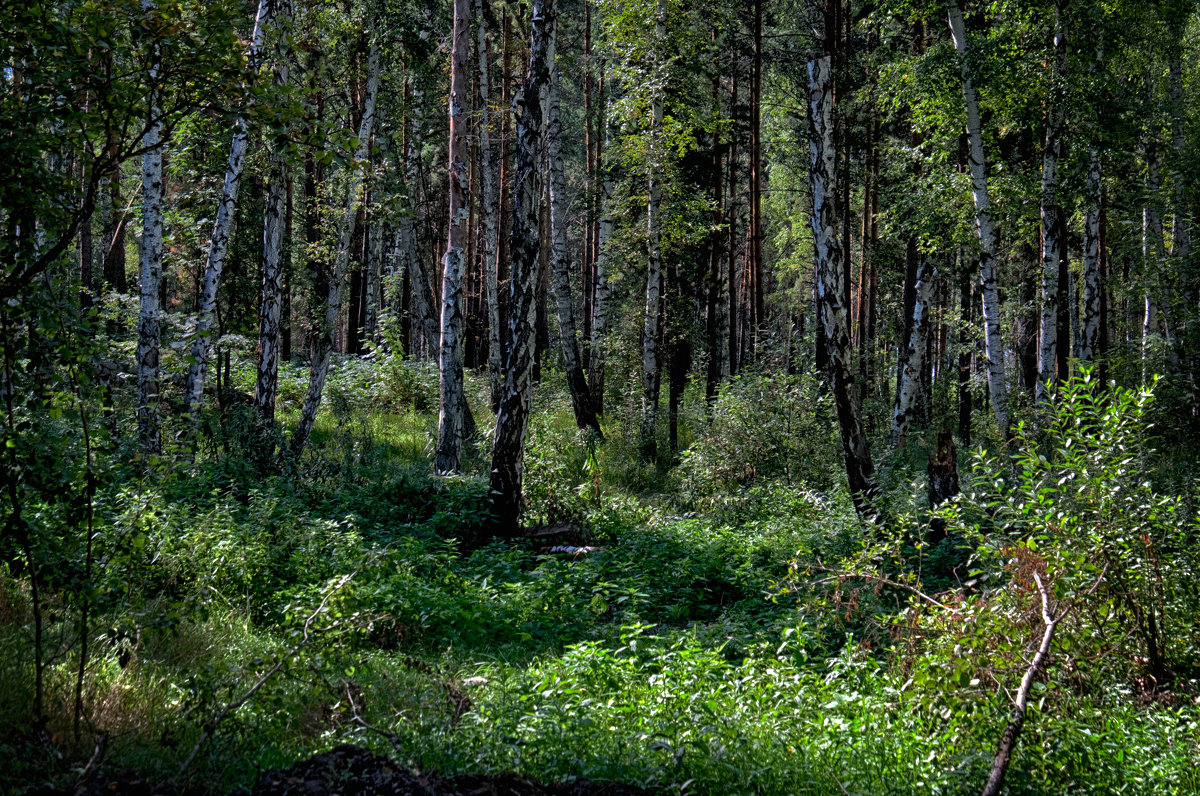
599, 397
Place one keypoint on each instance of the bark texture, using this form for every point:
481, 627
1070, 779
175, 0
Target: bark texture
830, 275
508, 446
651, 375
489, 173
451, 420
977, 162
322, 346
909, 389
266, 382
1053, 232
149, 330
218, 247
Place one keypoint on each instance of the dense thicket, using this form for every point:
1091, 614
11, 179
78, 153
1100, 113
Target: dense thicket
329, 321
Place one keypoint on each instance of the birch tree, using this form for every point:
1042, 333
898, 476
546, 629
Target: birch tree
512, 420
651, 375
450, 366
202, 342
977, 163
1053, 232
909, 389
322, 345
489, 173
266, 383
830, 273
149, 331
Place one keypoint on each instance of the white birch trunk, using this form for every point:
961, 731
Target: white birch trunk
218, 247
993, 337
266, 382
1052, 231
150, 271
323, 345
908, 401
508, 446
651, 376
450, 367
830, 273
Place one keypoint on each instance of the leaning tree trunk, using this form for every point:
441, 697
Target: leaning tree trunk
489, 171
560, 265
512, 420
860, 470
150, 269
322, 346
266, 382
651, 375
993, 337
1053, 232
450, 365
202, 342
909, 391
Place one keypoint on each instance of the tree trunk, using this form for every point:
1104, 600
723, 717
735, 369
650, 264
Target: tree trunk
993, 338
964, 352
830, 273
266, 383
450, 366
1181, 228
508, 447
202, 341
651, 375
1053, 231
150, 271
425, 336
373, 279
322, 345
908, 400
489, 167
603, 300
560, 266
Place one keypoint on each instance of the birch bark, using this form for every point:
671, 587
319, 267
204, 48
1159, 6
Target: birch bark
830, 286
1092, 287
1053, 234
266, 382
450, 366
322, 346
202, 341
651, 375
909, 393
149, 330
603, 300
993, 338
489, 172
512, 420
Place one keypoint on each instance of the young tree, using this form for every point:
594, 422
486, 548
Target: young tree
450, 367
